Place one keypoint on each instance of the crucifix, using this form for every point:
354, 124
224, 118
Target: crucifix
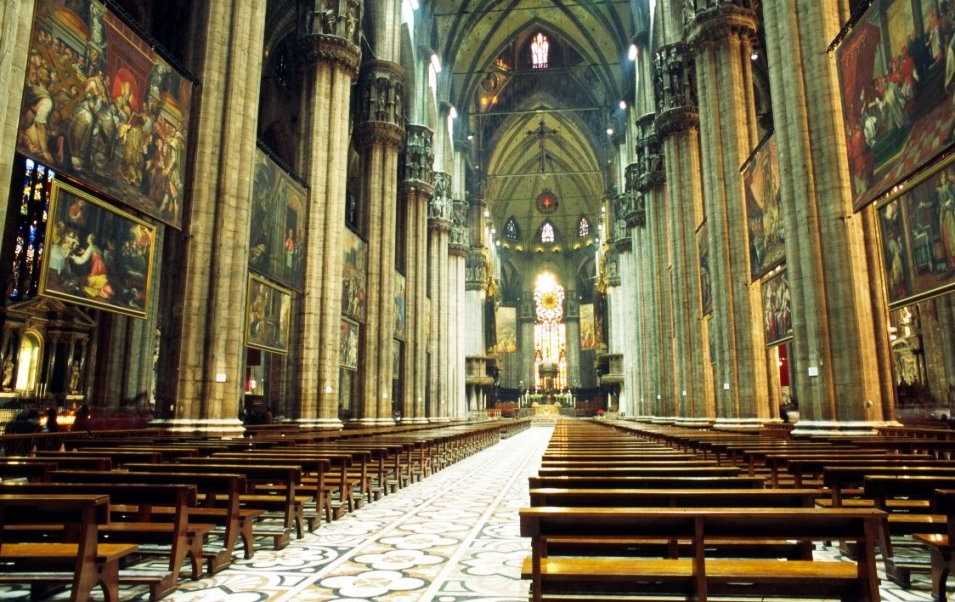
541, 133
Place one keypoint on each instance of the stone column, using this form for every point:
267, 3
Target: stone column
677, 131
329, 46
525, 347
379, 138
835, 344
439, 228
459, 246
16, 19
722, 35
416, 191
213, 294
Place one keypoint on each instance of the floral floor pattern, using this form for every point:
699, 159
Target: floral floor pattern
452, 537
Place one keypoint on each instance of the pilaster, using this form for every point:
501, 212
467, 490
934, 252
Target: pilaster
440, 222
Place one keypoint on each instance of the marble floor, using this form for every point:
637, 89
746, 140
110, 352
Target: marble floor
452, 537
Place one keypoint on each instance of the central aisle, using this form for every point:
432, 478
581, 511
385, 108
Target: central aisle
451, 537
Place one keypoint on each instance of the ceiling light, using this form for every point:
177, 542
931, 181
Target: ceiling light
470, 136
623, 105
414, 4
754, 56
436, 62
609, 131
632, 52
452, 112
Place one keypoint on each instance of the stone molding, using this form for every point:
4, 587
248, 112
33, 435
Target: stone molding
677, 120
721, 19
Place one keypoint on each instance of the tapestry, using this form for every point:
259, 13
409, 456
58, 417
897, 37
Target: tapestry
897, 76
348, 349
277, 231
506, 329
100, 104
917, 229
706, 290
268, 313
401, 318
587, 338
96, 254
763, 209
777, 309
353, 276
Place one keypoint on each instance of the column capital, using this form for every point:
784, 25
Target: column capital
418, 156
650, 171
330, 50
676, 120
459, 243
380, 119
440, 207
720, 20
674, 76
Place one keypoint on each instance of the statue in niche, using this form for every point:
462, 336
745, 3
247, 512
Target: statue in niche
74, 382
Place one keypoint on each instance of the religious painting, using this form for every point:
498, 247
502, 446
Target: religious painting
268, 312
96, 254
102, 106
354, 283
395, 359
706, 288
777, 309
506, 329
764, 214
587, 337
277, 232
917, 228
401, 318
348, 345
897, 92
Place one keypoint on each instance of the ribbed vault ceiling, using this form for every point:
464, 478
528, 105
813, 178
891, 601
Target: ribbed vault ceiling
537, 129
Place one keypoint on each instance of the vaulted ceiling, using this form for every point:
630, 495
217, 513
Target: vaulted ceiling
537, 131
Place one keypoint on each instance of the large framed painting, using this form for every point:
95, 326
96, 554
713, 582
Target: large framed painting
587, 337
777, 309
268, 313
348, 345
354, 281
401, 318
917, 228
277, 232
895, 73
101, 105
506, 329
764, 214
706, 287
96, 254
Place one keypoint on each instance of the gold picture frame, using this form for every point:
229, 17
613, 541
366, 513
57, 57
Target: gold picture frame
267, 316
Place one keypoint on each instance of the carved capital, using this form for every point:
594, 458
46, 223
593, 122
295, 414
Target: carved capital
319, 49
460, 241
674, 76
714, 20
649, 153
418, 155
440, 207
677, 120
333, 18
375, 133
381, 97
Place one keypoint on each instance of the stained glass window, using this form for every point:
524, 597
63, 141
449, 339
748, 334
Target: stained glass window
583, 227
539, 50
550, 335
547, 232
33, 207
511, 230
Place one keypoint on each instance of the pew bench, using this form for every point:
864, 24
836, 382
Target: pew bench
82, 563
697, 577
940, 545
232, 523
178, 539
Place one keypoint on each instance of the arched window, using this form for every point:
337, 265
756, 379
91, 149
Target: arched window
539, 49
547, 232
583, 227
511, 230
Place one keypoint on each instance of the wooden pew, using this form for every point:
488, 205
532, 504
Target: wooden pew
697, 577
178, 539
612, 470
838, 479
284, 501
235, 522
646, 482
913, 515
82, 564
940, 545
